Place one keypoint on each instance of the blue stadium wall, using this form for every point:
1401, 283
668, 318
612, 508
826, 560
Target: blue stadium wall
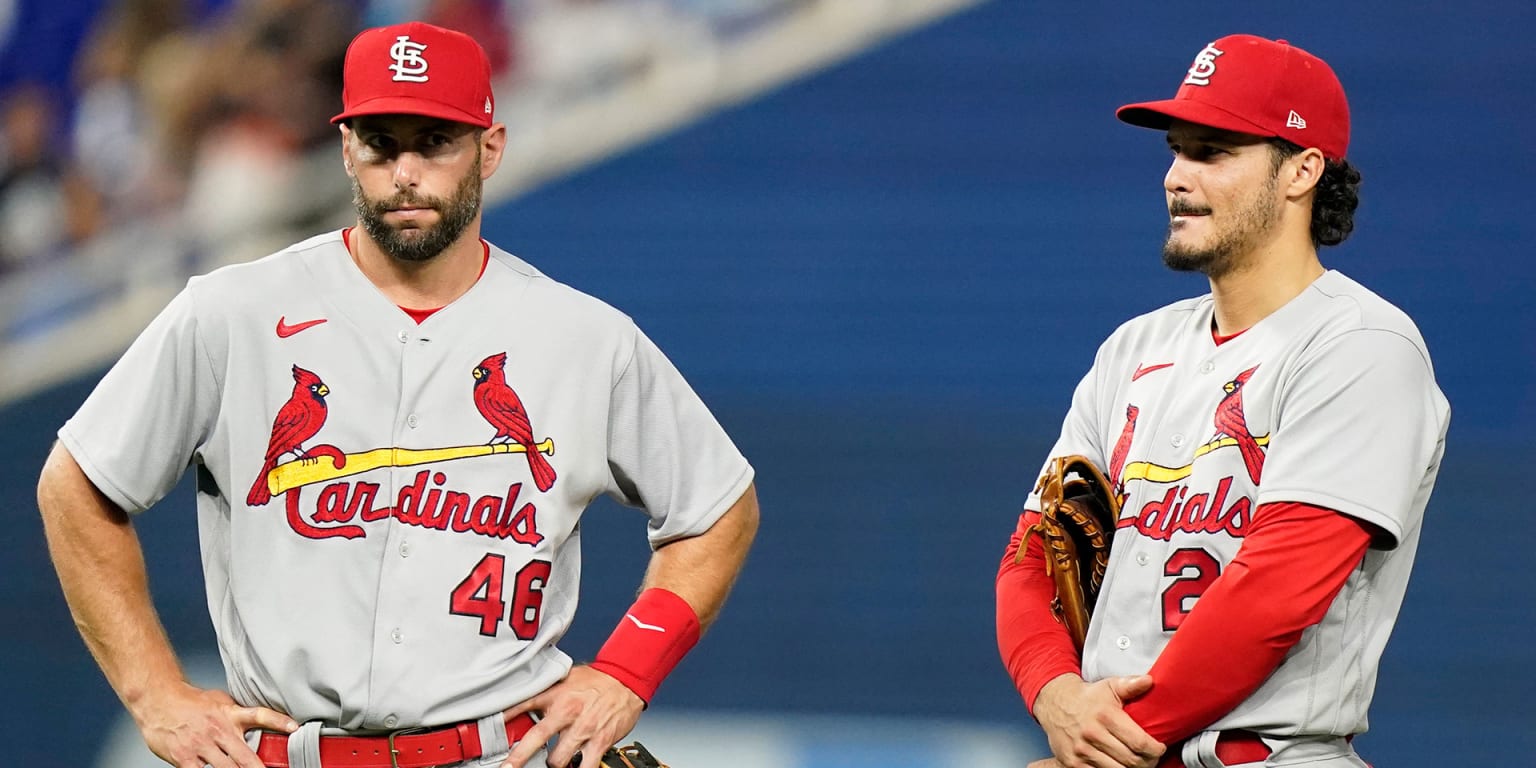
886, 280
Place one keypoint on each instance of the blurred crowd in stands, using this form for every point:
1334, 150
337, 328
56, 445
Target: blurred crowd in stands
215, 113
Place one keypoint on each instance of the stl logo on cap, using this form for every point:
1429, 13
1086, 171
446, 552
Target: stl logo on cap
1205, 65
409, 66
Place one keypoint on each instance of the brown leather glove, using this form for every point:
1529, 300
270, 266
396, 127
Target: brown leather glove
632, 756
1078, 510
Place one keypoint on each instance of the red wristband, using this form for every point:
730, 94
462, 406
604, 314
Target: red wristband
659, 629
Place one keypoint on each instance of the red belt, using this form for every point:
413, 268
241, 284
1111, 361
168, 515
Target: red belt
1232, 748
451, 744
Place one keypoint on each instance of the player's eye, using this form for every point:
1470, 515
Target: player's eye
433, 141
1200, 152
379, 143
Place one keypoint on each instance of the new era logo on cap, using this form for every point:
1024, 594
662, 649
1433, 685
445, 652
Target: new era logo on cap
417, 69
1253, 85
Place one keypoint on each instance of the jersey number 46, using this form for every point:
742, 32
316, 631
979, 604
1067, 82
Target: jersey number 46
480, 595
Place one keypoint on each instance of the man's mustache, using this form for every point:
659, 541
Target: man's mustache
404, 200
1185, 208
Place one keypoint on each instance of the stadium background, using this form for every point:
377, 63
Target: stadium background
885, 278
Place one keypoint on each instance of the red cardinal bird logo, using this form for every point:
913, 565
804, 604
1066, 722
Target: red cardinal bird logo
504, 410
297, 421
1122, 447
1231, 422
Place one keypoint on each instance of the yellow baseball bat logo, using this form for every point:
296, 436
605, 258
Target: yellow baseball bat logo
319, 469
1157, 473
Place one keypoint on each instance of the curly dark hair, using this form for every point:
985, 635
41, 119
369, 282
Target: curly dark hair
1338, 194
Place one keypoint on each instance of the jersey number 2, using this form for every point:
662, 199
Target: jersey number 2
480, 595
1195, 569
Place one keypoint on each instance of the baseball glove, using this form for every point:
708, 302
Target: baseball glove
632, 756
1078, 510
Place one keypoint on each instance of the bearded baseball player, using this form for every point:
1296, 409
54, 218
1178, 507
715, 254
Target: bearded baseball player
1272, 443
395, 429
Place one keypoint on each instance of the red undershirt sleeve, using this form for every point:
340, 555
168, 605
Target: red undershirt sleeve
1035, 647
1291, 565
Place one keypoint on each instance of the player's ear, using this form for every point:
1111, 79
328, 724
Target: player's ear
493, 142
346, 147
1302, 171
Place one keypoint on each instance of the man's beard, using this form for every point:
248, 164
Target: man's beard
1247, 229
421, 244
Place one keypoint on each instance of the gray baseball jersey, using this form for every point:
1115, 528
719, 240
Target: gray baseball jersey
1329, 401
389, 512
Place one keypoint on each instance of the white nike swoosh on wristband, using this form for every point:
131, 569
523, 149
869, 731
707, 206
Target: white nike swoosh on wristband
644, 625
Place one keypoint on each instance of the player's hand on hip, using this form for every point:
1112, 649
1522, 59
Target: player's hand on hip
189, 727
586, 713
1087, 725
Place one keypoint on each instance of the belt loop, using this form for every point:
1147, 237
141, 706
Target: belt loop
469, 740
493, 735
304, 746
1200, 750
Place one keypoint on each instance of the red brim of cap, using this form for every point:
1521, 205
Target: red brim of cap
1161, 114
401, 105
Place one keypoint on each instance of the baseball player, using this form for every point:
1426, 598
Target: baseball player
395, 429
1273, 442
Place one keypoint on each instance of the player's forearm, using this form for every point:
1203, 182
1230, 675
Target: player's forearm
701, 569
101, 570
1034, 645
682, 592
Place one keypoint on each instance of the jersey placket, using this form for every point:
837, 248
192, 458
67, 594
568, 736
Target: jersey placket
395, 639
1179, 414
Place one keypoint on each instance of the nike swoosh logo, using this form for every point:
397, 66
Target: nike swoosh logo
1142, 370
284, 330
643, 625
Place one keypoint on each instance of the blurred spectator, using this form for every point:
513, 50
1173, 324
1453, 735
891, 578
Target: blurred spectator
44, 205
115, 141
277, 63
267, 84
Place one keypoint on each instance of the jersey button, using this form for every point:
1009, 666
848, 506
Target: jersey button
391, 721
397, 636
403, 337
405, 549
1207, 367
412, 420
1177, 440
1122, 642
1141, 558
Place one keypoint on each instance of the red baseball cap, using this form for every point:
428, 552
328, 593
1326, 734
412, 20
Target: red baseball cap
417, 69
1254, 85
